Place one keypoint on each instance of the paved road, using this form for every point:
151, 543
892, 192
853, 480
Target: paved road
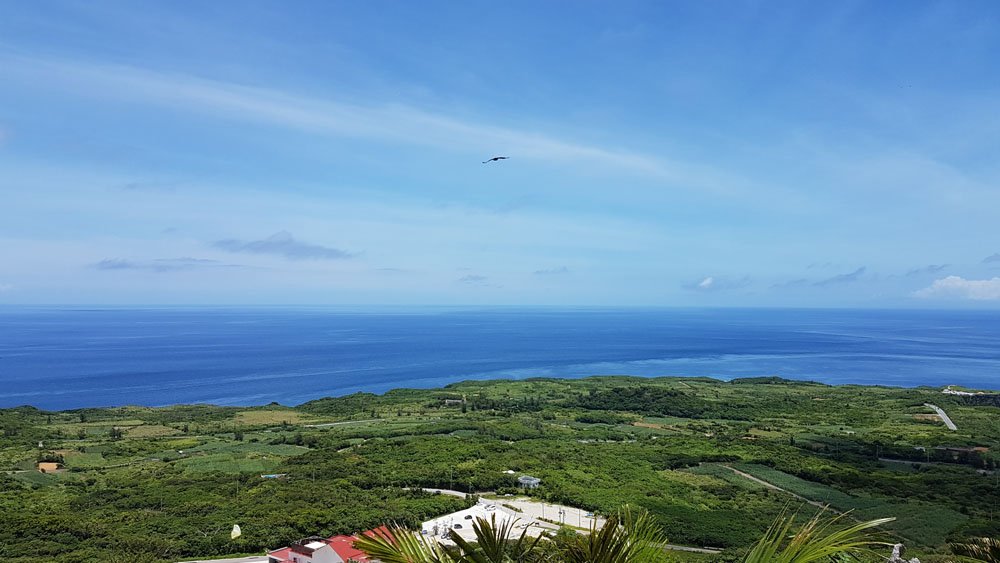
943, 415
458, 494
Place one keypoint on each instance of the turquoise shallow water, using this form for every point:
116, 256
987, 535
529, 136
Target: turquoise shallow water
61, 358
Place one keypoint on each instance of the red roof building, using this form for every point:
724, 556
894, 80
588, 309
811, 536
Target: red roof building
335, 549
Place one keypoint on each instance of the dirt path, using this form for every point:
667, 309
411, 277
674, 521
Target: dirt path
774, 487
342, 423
803, 499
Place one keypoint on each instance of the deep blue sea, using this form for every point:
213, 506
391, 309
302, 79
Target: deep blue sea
63, 358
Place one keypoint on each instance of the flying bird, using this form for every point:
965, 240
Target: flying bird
495, 158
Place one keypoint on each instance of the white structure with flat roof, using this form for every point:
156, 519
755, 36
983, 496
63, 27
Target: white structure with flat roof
529, 482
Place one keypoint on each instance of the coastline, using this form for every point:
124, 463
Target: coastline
945, 390
59, 360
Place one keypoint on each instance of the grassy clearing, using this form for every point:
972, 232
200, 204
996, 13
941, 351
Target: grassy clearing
11, 457
666, 420
74, 426
692, 478
926, 524
807, 489
229, 463
269, 417
917, 522
150, 431
84, 460
39, 479
722, 473
235, 457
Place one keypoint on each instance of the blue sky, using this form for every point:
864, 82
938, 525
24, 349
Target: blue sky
661, 153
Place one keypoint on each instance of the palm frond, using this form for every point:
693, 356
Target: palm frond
980, 549
495, 542
630, 536
399, 545
819, 539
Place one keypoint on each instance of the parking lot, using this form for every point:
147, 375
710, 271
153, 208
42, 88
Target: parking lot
532, 515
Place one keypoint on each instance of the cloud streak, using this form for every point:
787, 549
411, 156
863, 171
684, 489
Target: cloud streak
388, 122
931, 269
149, 186
956, 287
552, 271
476, 280
992, 259
162, 265
800, 282
283, 244
842, 278
473, 279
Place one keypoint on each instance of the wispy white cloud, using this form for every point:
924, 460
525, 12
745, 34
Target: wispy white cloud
386, 121
961, 288
715, 283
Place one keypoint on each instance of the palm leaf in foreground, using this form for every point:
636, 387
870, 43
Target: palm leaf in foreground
820, 539
630, 536
494, 543
399, 545
980, 549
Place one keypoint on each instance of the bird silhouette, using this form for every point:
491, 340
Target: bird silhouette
495, 158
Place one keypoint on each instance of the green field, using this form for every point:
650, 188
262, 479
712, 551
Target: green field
916, 522
179, 477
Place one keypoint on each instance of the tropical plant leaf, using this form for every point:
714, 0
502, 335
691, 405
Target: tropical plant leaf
399, 545
822, 538
980, 549
495, 542
629, 536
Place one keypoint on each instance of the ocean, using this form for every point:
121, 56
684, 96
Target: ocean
64, 358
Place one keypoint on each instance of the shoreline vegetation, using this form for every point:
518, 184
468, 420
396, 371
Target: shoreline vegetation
713, 462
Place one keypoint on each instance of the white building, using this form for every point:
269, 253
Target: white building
315, 551
529, 482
